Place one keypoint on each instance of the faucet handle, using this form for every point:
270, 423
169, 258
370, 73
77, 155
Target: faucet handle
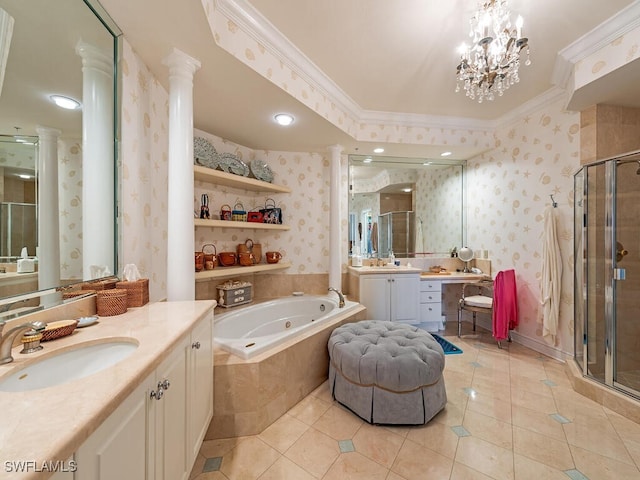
38, 326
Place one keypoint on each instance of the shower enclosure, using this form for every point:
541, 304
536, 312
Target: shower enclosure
396, 231
607, 272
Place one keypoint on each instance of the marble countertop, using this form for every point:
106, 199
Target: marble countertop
445, 277
51, 423
385, 269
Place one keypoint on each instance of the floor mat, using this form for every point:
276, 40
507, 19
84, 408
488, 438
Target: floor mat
448, 347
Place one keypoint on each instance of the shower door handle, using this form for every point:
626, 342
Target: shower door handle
619, 274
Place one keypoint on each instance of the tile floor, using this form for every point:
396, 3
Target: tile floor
511, 414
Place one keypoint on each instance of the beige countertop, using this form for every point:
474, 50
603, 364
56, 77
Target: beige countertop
446, 277
385, 269
51, 423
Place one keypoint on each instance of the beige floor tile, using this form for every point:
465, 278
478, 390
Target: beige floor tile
485, 457
485, 387
283, 432
537, 422
541, 448
339, 423
462, 472
285, 469
489, 429
437, 437
415, 462
315, 452
353, 466
598, 436
572, 405
248, 460
219, 447
595, 466
498, 409
394, 476
452, 414
197, 466
212, 476
534, 385
533, 401
309, 409
323, 393
528, 469
378, 444
400, 430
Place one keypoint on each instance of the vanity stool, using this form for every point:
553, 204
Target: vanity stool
387, 372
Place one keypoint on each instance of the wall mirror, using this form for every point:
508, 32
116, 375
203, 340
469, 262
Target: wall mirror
67, 48
410, 206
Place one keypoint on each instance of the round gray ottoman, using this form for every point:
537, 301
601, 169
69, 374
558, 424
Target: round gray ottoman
387, 372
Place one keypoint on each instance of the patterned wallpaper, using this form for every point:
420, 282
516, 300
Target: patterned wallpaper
143, 173
508, 190
70, 201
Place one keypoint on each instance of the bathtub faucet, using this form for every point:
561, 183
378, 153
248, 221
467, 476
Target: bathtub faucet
341, 303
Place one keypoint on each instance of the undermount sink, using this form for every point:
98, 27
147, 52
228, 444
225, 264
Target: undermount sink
63, 367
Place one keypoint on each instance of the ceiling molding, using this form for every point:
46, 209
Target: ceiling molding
621, 23
427, 121
552, 95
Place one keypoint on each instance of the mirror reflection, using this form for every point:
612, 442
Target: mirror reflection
408, 206
49, 152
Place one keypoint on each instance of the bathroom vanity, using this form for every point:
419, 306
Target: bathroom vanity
143, 417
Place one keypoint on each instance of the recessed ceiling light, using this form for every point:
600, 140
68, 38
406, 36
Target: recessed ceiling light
367, 160
406, 190
445, 154
427, 163
378, 150
284, 119
24, 176
65, 102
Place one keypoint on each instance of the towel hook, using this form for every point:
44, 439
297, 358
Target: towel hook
553, 202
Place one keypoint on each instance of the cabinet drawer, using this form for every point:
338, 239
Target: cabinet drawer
431, 312
430, 286
430, 297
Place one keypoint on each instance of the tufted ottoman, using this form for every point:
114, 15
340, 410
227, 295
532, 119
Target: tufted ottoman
387, 372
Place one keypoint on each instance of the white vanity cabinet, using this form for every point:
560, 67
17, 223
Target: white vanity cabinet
431, 304
157, 430
391, 296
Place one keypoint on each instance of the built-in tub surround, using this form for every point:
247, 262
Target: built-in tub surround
247, 332
251, 394
50, 424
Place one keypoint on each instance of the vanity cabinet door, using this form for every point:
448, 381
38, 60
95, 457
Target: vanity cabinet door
405, 298
375, 294
118, 448
171, 449
200, 391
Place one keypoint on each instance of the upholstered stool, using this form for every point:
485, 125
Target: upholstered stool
387, 372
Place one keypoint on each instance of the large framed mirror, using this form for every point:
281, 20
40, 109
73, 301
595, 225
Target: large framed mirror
408, 206
52, 157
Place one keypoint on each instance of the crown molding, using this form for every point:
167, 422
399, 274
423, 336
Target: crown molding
621, 23
426, 121
549, 97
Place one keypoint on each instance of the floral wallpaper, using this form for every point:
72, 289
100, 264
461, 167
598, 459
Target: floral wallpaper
508, 191
70, 201
143, 173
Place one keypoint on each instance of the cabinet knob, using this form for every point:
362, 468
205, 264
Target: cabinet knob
157, 395
196, 345
164, 385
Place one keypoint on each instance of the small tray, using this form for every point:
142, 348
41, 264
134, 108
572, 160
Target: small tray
58, 329
86, 321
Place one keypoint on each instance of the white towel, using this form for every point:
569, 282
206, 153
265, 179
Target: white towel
550, 281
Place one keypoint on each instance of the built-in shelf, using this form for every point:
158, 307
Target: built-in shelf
223, 272
204, 174
203, 222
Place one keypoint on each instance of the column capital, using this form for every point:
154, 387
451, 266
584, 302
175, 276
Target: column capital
94, 57
47, 132
335, 149
181, 63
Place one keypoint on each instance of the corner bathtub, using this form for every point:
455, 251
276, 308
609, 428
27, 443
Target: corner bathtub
249, 331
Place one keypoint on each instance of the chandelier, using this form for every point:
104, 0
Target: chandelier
490, 65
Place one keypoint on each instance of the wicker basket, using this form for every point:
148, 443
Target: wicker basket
58, 329
137, 292
100, 285
77, 293
111, 302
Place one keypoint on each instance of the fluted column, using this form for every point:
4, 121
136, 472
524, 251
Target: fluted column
98, 198
180, 235
335, 256
48, 212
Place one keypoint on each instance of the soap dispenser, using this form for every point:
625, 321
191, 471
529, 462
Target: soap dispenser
392, 258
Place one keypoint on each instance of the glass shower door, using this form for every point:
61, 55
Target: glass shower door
626, 259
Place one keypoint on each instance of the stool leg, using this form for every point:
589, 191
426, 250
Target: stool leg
474, 321
459, 321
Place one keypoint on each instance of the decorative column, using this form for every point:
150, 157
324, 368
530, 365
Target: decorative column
98, 197
335, 255
48, 210
180, 233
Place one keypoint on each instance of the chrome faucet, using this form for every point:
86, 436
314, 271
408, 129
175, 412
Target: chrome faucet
341, 303
6, 340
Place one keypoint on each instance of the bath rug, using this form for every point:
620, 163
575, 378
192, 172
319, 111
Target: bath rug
448, 347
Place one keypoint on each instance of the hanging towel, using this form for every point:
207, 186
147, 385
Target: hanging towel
419, 247
551, 278
505, 304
